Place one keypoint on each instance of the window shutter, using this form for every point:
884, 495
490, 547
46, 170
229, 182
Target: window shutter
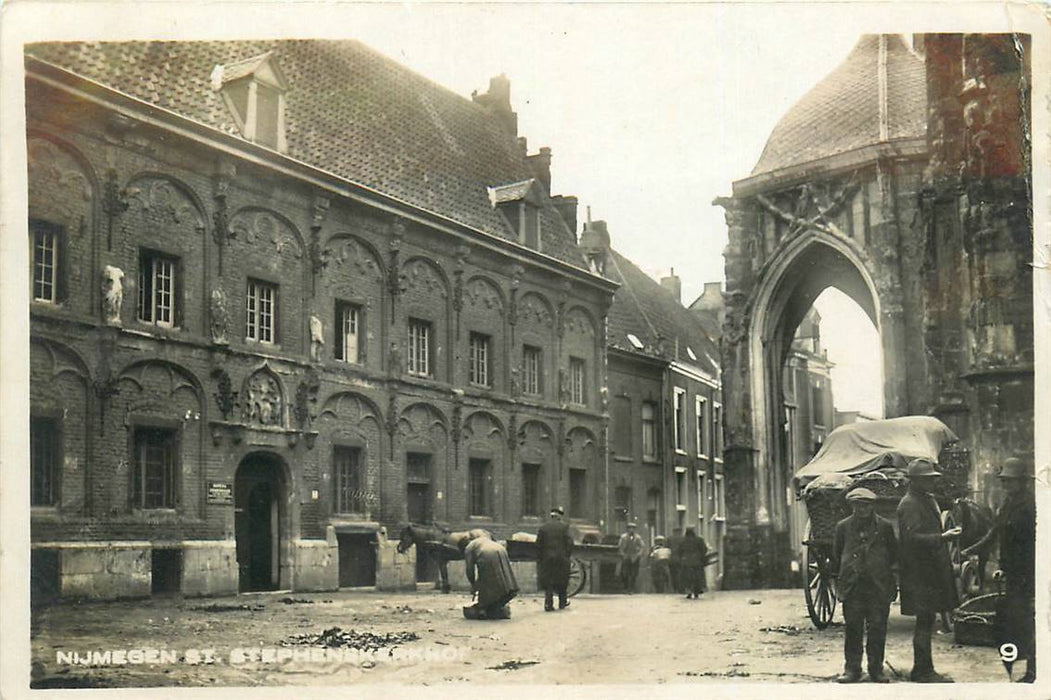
62, 266
178, 292
337, 327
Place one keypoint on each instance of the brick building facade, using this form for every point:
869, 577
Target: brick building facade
665, 406
286, 297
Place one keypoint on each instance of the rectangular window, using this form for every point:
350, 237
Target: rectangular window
262, 311
346, 468
680, 488
720, 498
157, 289
577, 387
45, 264
621, 503
702, 427
419, 348
649, 430
480, 357
480, 487
578, 489
680, 420
531, 489
817, 392
348, 331
531, 368
717, 431
703, 504
418, 487
154, 471
44, 450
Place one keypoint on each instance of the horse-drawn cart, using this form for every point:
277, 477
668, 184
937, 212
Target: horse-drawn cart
522, 547
873, 454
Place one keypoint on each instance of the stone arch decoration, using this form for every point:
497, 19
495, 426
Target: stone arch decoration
535, 439
423, 423
483, 294
56, 360
166, 383
580, 322
482, 426
263, 398
351, 410
424, 277
257, 226
534, 308
581, 448
54, 166
165, 200
347, 253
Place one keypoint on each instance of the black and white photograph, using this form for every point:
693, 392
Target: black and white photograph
389, 349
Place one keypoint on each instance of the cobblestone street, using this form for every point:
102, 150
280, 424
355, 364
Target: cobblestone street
724, 637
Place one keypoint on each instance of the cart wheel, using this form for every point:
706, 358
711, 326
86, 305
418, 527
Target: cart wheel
817, 583
578, 577
955, 557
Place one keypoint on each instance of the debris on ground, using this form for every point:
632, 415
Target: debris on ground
754, 601
364, 641
221, 607
296, 601
512, 665
790, 630
732, 673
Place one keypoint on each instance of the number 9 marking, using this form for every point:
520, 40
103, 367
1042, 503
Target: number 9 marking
1008, 653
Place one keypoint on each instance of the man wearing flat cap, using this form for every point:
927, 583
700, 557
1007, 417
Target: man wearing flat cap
554, 544
926, 578
864, 552
630, 547
1015, 530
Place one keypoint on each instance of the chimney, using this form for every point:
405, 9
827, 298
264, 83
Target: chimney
498, 101
541, 166
594, 241
673, 284
566, 205
919, 44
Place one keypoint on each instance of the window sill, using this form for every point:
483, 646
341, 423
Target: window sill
263, 343
650, 460
684, 453
679, 507
623, 459
480, 518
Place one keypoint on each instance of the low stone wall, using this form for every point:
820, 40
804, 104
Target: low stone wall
105, 570
316, 563
394, 572
209, 568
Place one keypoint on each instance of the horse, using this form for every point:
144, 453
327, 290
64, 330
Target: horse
976, 520
438, 542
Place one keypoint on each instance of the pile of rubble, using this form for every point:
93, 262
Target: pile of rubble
352, 639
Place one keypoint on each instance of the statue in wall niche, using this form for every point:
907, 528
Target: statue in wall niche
394, 359
220, 317
264, 399
112, 293
317, 338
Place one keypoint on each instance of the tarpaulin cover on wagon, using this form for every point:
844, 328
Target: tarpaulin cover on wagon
865, 446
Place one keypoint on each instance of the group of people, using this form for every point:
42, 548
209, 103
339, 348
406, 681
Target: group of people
676, 564
866, 551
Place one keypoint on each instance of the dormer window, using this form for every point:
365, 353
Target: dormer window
254, 92
519, 203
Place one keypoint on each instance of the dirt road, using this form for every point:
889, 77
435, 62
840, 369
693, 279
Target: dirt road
745, 636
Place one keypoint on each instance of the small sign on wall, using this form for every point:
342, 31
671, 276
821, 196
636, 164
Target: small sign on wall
221, 493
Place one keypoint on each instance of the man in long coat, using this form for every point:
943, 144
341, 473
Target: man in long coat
490, 575
554, 545
630, 548
1015, 529
927, 585
864, 552
693, 557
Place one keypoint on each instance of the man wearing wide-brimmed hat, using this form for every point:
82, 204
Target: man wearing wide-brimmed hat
926, 578
1015, 530
865, 552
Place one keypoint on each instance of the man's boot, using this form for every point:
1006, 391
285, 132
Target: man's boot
851, 675
549, 601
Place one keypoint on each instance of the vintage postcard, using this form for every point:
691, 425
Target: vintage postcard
605, 349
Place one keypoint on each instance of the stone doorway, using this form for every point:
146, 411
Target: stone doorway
259, 513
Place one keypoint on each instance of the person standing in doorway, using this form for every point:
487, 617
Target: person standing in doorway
1015, 529
864, 553
927, 585
630, 547
554, 545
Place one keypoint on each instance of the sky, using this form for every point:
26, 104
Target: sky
651, 112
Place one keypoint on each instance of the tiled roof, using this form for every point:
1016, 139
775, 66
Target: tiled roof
650, 312
350, 111
842, 112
